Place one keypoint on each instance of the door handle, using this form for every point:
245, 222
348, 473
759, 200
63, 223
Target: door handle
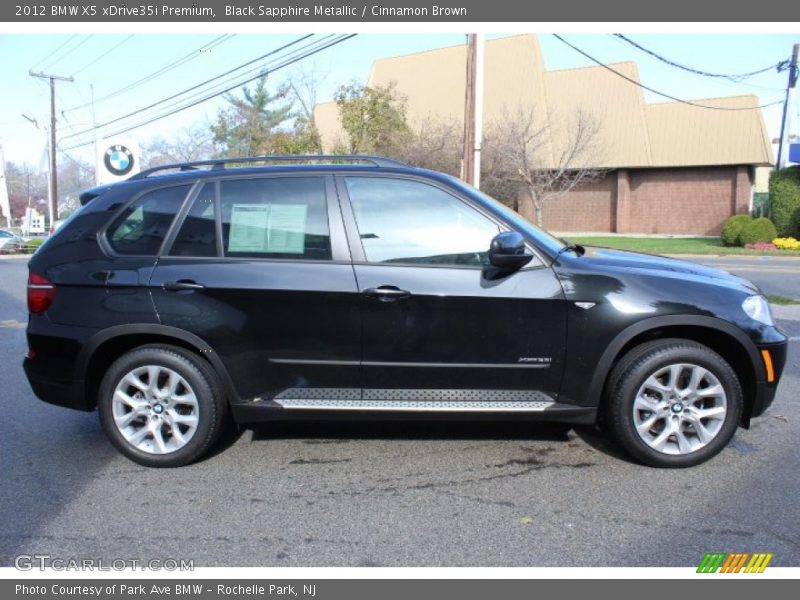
387, 293
182, 284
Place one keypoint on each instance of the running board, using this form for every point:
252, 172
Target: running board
413, 405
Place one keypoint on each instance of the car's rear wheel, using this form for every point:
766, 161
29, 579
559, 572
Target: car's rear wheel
161, 406
673, 403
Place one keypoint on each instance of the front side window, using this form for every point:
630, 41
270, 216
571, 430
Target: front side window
404, 221
142, 226
283, 217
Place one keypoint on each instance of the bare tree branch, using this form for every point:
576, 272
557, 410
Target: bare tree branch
546, 159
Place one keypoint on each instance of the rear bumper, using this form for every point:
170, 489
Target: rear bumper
69, 394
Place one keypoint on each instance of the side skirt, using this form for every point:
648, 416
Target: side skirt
259, 411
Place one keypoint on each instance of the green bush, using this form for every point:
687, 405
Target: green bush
33, 245
784, 192
733, 228
758, 230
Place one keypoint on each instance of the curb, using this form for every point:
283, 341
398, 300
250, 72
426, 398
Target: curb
736, 256
27, 257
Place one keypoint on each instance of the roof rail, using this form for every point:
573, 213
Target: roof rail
221, 163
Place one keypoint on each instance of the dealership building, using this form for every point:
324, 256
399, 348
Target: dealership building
669, 167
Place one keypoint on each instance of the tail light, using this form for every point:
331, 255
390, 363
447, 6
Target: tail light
41, 292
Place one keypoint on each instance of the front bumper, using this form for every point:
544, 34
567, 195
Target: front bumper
770, 367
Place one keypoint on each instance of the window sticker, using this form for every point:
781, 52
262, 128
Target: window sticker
286, 232
249, 228
265, 228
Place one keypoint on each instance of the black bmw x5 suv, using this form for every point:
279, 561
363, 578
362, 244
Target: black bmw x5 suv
254, 289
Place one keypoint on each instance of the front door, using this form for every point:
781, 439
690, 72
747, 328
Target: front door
438, 323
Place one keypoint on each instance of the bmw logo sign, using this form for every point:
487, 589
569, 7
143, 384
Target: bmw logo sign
118, 160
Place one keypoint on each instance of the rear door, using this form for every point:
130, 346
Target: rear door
259, 268
439, 324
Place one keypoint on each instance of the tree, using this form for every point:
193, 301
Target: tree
28, 187
247, 128
434, 144
545, 159
189, 144
74, 176
373, 118
303, 86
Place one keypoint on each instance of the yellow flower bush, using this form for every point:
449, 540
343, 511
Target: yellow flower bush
788, 243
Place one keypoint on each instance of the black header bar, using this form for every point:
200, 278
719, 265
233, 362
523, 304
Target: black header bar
315, 11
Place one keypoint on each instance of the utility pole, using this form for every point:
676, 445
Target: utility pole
468, 165
788, 105
53, 165
478, 123
473, 110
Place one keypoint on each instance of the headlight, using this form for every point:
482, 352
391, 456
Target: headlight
757, 308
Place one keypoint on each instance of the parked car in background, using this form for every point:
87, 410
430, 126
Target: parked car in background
10, 242
359, 287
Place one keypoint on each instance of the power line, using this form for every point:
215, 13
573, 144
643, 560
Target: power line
103, 55
737, 78
257, 71
662, 94
192, 88
262, 72
70, 51
161, 71
59, 47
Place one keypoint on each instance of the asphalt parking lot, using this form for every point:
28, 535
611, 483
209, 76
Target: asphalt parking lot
391, 494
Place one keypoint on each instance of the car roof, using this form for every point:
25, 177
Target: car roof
192, 171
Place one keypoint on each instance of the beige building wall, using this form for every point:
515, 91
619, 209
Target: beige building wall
672, 167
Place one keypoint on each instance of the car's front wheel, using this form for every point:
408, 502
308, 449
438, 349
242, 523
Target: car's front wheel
161, 406
673, 403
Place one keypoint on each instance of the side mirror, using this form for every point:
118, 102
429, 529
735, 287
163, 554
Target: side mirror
507, 251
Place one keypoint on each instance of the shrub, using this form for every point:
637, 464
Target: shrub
33, 245
758, 230
784, 191
786, 243
733, 228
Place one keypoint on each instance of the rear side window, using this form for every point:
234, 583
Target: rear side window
141, 228
285, 217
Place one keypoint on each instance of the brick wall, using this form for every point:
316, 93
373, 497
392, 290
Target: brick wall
589, 208
680, 201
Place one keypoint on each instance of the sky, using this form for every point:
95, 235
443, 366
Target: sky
106, 64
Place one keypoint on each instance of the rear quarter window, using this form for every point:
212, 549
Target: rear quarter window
141, 228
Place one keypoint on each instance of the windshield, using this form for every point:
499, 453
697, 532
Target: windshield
520, 223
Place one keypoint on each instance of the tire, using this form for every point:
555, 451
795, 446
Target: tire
171, 424
673, 403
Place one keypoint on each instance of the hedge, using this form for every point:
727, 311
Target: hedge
784, 191
733, 229
758, 230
